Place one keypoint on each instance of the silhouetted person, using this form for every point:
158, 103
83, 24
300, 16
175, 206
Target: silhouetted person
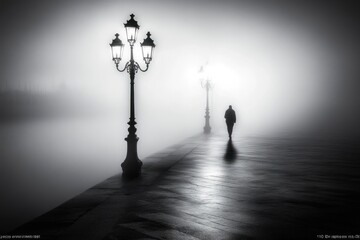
230, 117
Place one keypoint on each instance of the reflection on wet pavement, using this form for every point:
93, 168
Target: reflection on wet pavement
209, 188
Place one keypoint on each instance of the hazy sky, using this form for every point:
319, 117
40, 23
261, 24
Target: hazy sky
274, 60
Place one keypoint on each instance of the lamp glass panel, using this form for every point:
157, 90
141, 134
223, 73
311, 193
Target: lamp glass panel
131, 33
147, 53
117, 52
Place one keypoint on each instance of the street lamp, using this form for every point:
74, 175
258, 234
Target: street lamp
132, 164
207, 86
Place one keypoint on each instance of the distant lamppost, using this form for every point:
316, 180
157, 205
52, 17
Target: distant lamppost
207, 86
132, 164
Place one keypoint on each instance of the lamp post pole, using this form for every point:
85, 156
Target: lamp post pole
132, 164
207, 128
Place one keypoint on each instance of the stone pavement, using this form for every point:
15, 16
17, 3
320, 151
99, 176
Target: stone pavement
209, 188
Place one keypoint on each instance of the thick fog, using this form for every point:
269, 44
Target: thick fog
286, 68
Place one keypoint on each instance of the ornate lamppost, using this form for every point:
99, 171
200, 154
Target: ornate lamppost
207, 86
132, 164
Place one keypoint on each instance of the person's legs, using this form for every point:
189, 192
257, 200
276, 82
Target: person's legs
230, 128
231, 125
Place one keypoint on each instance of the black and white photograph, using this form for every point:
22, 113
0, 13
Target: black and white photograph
179, 119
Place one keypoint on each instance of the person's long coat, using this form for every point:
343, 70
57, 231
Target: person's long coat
230, 116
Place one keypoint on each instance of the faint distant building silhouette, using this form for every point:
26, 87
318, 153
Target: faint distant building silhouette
230, 117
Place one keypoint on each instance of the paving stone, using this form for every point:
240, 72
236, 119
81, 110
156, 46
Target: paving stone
208, 188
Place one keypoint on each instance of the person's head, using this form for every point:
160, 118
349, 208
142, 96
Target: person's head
230, 106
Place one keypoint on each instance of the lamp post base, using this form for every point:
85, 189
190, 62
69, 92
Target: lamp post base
132, 164
207, 129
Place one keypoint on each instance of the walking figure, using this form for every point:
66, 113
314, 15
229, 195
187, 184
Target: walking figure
230, 117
